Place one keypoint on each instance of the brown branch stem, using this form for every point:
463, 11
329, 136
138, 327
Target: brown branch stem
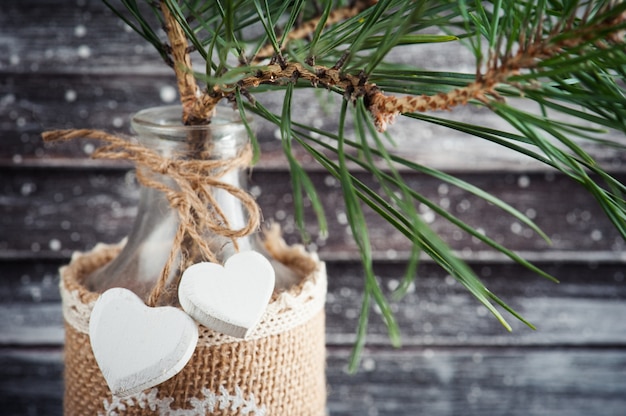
500, 69
197, 109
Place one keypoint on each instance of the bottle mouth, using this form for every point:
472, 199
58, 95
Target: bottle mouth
161, 129
167, 121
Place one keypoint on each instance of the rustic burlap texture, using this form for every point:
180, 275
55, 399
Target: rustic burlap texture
279, 371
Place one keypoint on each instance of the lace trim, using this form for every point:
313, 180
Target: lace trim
287, 311
210, 402
75, 312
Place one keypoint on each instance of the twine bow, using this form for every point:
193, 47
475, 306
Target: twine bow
191, 195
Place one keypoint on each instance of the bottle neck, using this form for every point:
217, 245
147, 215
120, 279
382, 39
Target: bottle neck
221, 141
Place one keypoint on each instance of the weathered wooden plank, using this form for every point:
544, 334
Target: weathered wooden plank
436, 311
31, 381
52, 212
40, 324
483, 382
432, 381
57, 36
88, 200
30, 104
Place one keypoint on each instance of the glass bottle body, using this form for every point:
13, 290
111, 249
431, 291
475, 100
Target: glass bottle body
139, 265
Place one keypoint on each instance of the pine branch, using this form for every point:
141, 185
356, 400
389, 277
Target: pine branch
563, 56
501, 67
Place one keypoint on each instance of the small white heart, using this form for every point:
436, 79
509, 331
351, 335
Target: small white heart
137, 347
229, 299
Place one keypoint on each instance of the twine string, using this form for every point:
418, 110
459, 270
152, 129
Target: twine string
190, 195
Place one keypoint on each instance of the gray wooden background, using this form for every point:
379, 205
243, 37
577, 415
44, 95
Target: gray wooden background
70, 64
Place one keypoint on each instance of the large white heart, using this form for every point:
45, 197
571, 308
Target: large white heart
229, 299
137, 347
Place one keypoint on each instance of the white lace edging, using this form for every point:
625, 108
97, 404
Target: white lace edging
199, 406
286, 312
75, 312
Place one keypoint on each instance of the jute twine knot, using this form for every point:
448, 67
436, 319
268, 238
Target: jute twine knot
190, 194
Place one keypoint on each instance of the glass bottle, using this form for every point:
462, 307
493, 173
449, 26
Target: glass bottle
142, 259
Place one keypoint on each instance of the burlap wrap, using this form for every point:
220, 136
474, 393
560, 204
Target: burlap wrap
280, 370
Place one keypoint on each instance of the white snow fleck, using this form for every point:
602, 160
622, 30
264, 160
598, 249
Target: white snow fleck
167, 93
596, 235
80, 31
523, 181
70, 96
28, 188
83, 51
54, 244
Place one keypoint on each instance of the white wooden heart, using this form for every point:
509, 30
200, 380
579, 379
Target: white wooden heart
229, 299
137, 347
